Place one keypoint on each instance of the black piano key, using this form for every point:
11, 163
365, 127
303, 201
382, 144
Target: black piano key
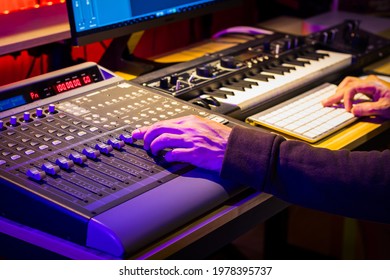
211, 101
274, 71
259, 77
201, 103
246, 84
234, 87
218, 93
297, 62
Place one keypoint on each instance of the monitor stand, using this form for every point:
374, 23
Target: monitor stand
119, 57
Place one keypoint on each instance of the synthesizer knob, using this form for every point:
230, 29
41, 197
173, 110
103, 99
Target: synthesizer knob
51, 169
78, 158
91, 153
267, 46
174, 79
228, 62
13, 121
204, 71
164, 83
64, 163
116, 144
2, 126
52, 109
39, 113
104, 148
36, 174
127, 138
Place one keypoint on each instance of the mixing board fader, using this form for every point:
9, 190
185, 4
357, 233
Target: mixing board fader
70, 160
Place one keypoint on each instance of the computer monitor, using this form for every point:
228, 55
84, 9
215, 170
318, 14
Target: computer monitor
97, 20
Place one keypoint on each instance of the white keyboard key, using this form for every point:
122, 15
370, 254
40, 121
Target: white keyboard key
305, 117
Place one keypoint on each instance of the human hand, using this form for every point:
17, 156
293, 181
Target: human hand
191, 139
377, 89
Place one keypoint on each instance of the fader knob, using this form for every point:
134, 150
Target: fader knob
36, 174
51, 169
104, 148
64, 163
77, 158
127, 138
116, 144
91, 153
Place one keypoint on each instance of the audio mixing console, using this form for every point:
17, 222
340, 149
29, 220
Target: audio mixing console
69, 166
269, 69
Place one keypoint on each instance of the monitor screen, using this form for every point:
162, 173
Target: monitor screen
97, 20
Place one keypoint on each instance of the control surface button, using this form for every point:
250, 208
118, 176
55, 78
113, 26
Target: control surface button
50, 168
36, 174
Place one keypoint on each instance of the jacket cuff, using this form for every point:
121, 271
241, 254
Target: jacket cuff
249, 157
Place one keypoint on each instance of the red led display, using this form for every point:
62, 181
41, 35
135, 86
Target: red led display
72, 84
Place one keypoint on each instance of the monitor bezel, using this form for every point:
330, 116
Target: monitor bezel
114, 31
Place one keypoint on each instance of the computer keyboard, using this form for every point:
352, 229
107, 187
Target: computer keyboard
304, 117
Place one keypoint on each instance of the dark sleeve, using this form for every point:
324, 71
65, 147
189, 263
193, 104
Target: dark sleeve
354, 184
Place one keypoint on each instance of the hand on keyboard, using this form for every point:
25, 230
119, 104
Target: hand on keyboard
377, 89
189, 139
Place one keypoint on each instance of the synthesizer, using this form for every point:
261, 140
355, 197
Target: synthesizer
268, 69
69, 167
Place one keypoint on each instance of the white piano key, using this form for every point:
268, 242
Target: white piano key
290, 80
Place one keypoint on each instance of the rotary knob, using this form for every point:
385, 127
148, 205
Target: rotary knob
39, 113
2, 126
164, 83
205, 71
228, 62
27, 117
13, 121
52, 109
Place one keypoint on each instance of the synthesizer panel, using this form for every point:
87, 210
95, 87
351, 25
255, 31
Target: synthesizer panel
69, 166
269, 69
